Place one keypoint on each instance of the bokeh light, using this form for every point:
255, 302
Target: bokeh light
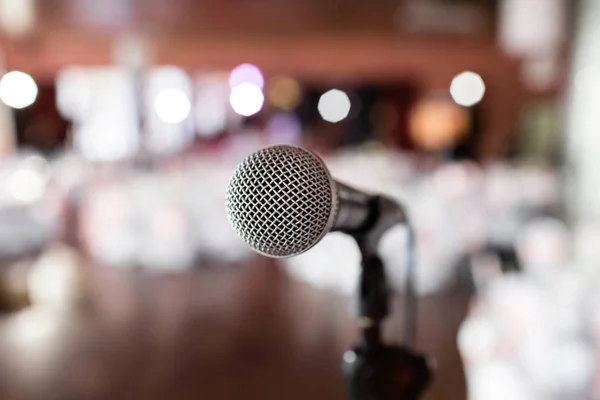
246, 99
211, 105
18, 89
27, 183
172, 105
17, 17
53, 278
438, 123
101, 103
246, 73
498, 380
33, 327
467, 88
284, 92
284, 127
477, 339
334, 106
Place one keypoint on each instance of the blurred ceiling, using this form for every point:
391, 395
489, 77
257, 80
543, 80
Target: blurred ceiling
314, 38
280, 17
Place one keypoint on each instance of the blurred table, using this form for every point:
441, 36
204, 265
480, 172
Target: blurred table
244, 332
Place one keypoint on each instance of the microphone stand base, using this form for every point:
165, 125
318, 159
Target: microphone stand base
386, 373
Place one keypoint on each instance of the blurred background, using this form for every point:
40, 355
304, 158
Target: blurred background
121, 122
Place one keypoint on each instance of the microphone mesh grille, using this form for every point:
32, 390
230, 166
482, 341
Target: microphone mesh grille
281, 200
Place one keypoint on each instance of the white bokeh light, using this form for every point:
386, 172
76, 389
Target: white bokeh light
467, 89
101, 102
246, 99
18, 89
334, 106
172, 105
498, 380
33, 326
53, 278
27, 183
211, 105
321, 266
17, 17
477, 339
246, 73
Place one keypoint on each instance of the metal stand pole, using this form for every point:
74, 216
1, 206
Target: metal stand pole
375, 371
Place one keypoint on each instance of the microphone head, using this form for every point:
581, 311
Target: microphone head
281, 200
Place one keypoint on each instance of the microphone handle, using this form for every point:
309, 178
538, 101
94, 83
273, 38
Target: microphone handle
354, 208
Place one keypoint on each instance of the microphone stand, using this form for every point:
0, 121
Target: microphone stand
374, 370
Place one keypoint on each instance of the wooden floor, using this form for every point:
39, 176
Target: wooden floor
246, 332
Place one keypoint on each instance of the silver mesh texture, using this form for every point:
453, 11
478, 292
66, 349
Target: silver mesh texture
281, 200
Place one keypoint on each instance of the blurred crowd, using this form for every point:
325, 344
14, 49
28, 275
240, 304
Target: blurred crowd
170, 217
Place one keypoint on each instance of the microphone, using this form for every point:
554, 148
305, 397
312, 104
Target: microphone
282, 200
